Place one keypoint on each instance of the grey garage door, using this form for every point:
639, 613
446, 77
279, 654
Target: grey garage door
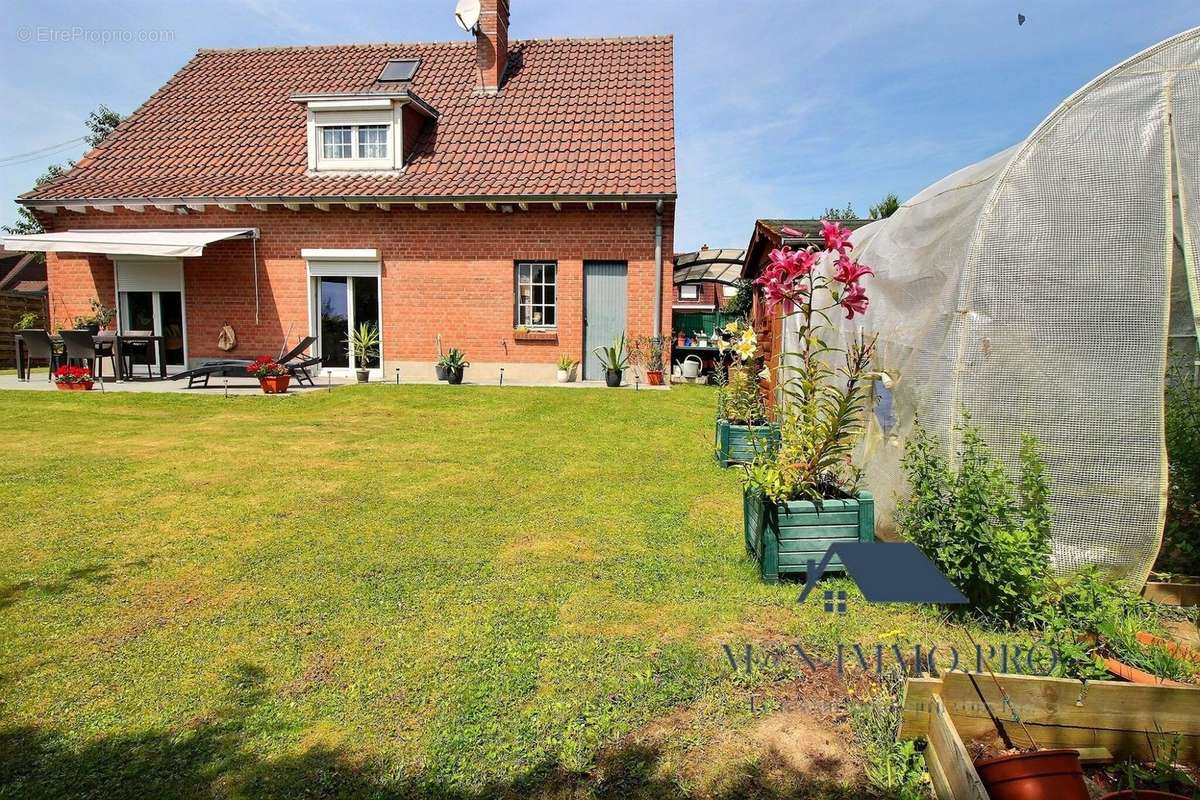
605, 289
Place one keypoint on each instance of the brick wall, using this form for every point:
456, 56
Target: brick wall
443, 271
12, 306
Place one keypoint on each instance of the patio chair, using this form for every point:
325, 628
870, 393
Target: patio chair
39, 345
140, 350
82, 346
234, 367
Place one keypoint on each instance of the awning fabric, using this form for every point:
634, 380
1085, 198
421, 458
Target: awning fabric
168, 242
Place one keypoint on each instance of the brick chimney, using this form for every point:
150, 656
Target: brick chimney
491, 44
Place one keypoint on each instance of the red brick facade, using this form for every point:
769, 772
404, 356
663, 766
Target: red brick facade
443, 271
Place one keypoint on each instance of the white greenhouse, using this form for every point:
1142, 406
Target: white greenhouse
1041, 289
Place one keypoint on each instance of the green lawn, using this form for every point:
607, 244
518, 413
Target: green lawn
423, 591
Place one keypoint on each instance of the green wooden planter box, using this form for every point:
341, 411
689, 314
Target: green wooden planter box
784, 537
736, 443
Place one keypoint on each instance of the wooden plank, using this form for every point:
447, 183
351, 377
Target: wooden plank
1103, 705
1173, 593
918, 701
952, 756
937, 774
816, 520
1142, 745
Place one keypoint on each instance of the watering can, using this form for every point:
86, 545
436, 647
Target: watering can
691, 366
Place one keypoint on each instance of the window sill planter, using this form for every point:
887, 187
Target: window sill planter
736, 443
784, 537
275, 384
85, 386
536, 336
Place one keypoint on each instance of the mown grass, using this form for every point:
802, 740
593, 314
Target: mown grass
380, 591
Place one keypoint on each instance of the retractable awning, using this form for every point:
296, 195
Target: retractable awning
166, 242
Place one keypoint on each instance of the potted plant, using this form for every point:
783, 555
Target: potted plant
364, 342
73, 379
650, 353
804, 495
438, 367
743, 428
1035, 774
29, 320
454, 363
272, 376
614, 360
566, 368
99, 319
679, 339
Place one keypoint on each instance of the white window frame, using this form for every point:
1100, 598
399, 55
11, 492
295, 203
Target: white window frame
153, 274
342, 263
520, 267
695, 291
355, 116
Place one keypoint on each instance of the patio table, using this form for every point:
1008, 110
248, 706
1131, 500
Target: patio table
101, 338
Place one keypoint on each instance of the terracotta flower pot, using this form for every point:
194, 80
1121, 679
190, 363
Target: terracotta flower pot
275, 384
655, 377
1143, 794
85, 386
1041, 775
1134, 675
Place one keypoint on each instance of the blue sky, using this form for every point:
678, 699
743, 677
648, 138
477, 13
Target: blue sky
782, 109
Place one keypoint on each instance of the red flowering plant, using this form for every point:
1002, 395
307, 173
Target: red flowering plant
826, 400
266, 367
70, 374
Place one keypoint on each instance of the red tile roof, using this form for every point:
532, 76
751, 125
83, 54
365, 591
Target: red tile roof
575, 117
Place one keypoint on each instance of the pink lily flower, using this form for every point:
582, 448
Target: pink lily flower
854, 300
850, 271
837, 236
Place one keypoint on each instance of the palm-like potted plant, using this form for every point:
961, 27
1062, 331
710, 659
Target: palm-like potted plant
614, 360
454, 363
364, 343
805, 496
566, 368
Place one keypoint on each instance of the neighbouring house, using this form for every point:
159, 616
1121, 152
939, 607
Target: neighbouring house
768, 235
515, 197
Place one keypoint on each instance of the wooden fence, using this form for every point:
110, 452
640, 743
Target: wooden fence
12, 306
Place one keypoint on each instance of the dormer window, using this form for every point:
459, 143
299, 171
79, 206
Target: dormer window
363, 132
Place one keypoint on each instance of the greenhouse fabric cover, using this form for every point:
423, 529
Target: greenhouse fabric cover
1037, 291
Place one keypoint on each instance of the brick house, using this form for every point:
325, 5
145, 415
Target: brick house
514, 197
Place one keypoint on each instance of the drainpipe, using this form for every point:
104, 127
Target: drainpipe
658, 268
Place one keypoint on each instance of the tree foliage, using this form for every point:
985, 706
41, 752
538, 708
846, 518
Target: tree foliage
885, 207
100, 123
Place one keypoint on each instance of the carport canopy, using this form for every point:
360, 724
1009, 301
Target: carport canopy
722, 265
165, 242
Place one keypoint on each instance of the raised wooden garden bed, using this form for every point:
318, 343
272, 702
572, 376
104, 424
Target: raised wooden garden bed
738, 444
1103, 720
784, 537
1182, 590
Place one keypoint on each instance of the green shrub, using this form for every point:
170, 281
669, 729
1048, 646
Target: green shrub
1181, 537
989, 536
